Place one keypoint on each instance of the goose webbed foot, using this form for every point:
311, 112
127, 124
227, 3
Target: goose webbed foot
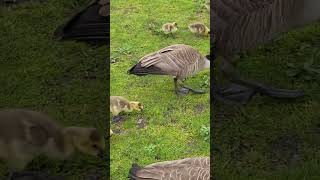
270, 91
234, 94
196, 91
241, 92
182, 91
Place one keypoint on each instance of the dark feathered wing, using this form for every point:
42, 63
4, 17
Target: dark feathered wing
243, 24
91, 24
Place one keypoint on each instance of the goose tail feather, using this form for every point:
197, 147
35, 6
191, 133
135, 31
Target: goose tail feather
133, 172
143, 71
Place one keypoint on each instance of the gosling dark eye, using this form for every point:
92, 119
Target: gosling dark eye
95, 146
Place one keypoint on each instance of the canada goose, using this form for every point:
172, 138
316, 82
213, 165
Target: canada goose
179, 61
199, 29
170, 28
119, 104
240, 25
197, 168
91, 24
25, 134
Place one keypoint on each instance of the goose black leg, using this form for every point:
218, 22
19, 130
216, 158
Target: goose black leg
241, 91
182, 91
196, 91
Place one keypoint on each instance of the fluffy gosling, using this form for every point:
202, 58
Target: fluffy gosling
199, 29
25, 134
120, 104
170, 28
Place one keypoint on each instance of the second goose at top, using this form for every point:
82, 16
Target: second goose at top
179, 61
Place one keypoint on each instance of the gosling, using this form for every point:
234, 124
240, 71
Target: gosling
170, 28
120, 104
199, 29
25, 134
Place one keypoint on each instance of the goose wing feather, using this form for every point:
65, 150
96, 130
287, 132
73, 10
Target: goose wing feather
189, 168
172, 58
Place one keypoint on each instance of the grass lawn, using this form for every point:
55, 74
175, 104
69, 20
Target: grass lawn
271, 139
42, 74
174, 127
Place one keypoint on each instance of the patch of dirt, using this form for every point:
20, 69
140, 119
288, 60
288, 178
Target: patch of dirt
199, 108
191, 146
157, 157
118, 119
117, 131
169, 111
141, 123
285, 150
173, 120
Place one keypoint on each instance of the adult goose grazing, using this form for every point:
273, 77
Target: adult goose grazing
90, 24
179, 61
197, 168
244, 24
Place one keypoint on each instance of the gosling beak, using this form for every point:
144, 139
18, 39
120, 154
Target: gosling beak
101, 154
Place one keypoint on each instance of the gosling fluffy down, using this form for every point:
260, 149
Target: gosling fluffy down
120, 104
25, 134
170, 28
199, 29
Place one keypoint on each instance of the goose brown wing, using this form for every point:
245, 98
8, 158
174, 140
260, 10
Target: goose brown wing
243, 24
172, 59
189, 168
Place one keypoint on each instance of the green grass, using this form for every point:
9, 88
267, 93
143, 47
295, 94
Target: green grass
177, 127
42, 74
272, 139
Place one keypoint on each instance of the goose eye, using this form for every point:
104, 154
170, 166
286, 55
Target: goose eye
95, 146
